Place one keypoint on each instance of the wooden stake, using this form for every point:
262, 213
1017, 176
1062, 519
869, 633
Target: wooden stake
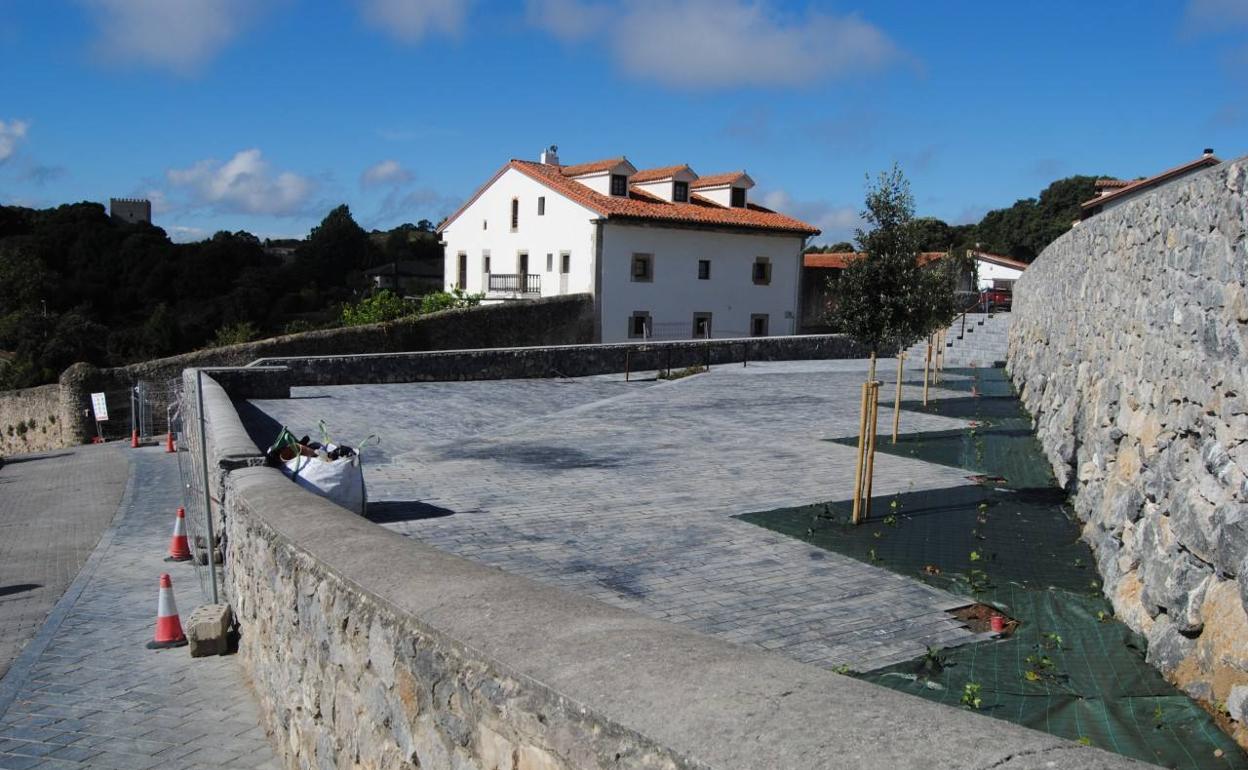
927, 366
874, 405
901, 356
862, 446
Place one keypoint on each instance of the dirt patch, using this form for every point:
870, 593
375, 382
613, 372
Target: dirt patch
978, 618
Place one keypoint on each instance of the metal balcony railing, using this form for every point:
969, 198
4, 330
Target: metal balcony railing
516, 283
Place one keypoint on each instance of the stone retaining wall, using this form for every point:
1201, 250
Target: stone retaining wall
566, 320
30, 420
558, 361
368, 649
1129, 345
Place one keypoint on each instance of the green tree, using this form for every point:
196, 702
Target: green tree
335, 247
887, 300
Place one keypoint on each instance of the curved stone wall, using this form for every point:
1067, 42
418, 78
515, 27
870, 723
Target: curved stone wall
1129, 346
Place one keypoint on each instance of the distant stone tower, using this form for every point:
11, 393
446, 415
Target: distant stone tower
130, 209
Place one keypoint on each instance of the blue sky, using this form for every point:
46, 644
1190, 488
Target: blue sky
263, 114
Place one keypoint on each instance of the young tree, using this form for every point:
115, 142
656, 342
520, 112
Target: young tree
886, 299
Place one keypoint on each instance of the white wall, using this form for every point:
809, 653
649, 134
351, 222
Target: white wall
989, 272
676, 292
564, 227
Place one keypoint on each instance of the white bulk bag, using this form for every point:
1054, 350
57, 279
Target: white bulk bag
340, 481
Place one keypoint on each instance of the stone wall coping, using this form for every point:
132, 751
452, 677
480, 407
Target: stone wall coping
708, 702
638, 344
229, 445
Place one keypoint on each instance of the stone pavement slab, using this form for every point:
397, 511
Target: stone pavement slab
53, 507
627, 492
87, 693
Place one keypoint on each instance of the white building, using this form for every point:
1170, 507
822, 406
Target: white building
665, 253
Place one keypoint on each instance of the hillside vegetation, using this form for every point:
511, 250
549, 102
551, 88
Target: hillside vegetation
1020, 231
76, 285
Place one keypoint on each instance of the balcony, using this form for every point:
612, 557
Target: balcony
516, 284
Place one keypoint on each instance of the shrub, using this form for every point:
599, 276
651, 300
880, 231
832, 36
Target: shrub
235, 334
448, 300
385, 305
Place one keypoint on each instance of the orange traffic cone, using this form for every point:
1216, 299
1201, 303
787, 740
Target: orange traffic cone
179, 548
134, 439
168, 625
169, 443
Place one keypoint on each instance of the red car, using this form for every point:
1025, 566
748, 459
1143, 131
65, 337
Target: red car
995, 299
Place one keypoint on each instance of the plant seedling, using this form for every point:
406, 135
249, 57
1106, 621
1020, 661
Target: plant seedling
1085, 740
971, 696
890, 520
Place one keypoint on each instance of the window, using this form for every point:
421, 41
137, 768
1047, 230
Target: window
522, 262
738, 197
762, 271
485, 261
639, 325
758, 324
619, 184
461, 273
643, 267
550, 262
485, 224
701, 326
704, 269
565, 262
515, 214
541, 205
680, 192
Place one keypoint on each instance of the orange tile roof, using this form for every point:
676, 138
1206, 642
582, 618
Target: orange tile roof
592, 167
1152, 181
1112, 183
1000, 259
714, 180
656, 174
642, 206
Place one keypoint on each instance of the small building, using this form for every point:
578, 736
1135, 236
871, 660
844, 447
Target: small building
666, 253
822, 270
132, 210
1115, 192
407, 277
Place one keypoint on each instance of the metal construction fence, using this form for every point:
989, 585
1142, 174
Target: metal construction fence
143, 410
200, 498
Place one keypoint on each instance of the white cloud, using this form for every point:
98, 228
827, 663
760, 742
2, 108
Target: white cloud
410, 20
838, 223
1214, 15
180, 35
183, 234
244, 184
719, 43
12, 134
387, 172
568, 20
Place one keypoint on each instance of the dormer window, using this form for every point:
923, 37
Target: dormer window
619, 185
680, 192
738, 197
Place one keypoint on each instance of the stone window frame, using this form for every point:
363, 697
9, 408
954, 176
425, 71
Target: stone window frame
766, 320
763, 277
644, 317
515, 215
485, 261
565, 262
699, 316
647, 275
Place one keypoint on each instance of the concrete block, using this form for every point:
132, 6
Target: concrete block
208, 629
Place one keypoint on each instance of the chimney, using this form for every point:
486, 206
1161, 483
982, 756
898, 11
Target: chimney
550, 156
1208, 152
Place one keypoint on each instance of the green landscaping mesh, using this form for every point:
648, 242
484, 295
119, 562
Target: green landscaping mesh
1008, 539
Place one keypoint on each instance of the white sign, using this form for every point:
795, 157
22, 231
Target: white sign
100, 406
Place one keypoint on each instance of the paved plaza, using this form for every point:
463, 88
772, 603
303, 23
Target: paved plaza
627, 492
53, 507
85, 692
